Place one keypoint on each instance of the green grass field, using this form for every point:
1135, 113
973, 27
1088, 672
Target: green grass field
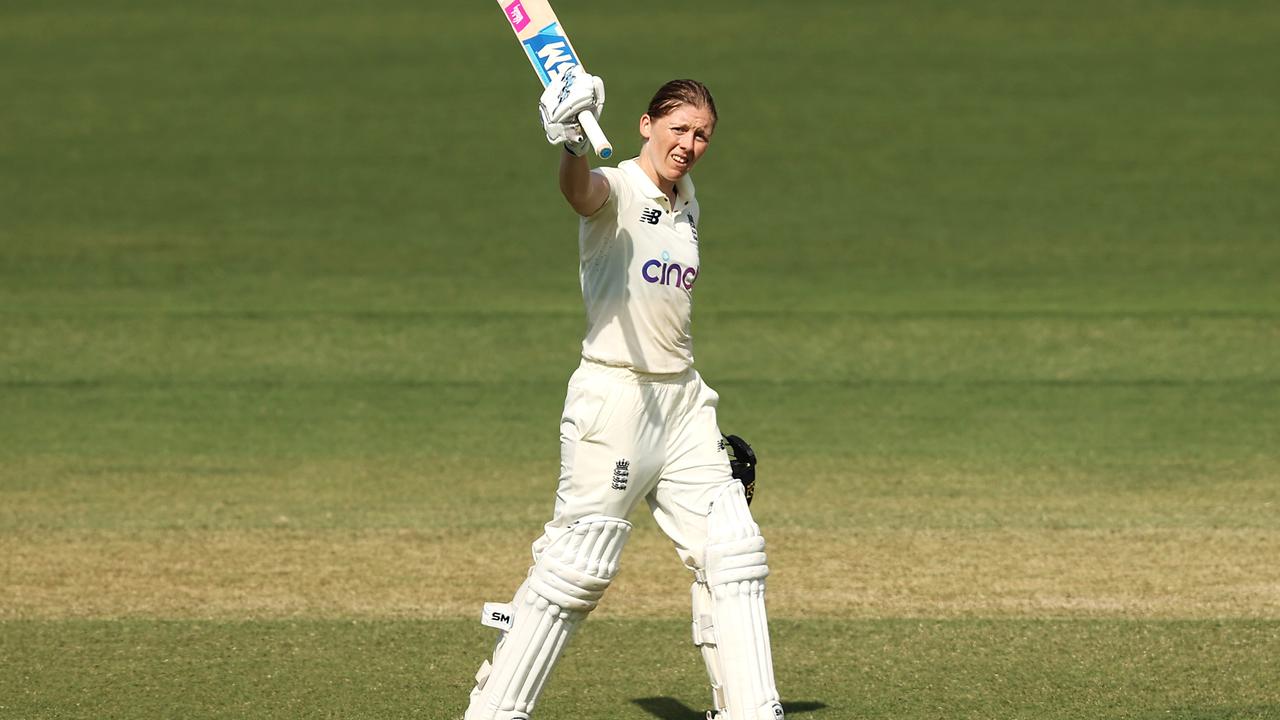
288, 300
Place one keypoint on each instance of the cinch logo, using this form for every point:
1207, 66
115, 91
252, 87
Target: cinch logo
518, 17
665, 272
550, 53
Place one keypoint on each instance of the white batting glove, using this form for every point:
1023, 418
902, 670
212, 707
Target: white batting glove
562, 101
570, 135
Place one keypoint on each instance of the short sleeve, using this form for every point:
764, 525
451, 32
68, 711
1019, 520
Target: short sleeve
617, 186
600, 227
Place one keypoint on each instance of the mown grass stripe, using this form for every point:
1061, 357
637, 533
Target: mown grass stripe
643, 669
1142, 573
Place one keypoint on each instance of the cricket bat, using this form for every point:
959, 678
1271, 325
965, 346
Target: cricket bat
548, 48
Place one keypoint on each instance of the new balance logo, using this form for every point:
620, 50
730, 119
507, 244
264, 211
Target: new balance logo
650, 215
621, 473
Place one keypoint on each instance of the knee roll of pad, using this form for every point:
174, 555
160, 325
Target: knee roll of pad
741, 662
736, 561
565, 584
735, 548
575, 570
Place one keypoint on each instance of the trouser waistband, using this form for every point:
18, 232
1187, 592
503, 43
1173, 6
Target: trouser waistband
626, 374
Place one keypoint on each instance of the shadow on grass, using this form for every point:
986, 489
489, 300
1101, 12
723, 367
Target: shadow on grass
665, 708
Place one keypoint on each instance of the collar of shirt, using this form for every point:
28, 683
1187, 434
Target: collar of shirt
684, 186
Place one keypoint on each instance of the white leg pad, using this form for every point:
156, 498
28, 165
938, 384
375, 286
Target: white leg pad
735, 571
565, 584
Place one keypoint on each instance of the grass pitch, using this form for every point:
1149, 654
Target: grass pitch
829, 667
288, 301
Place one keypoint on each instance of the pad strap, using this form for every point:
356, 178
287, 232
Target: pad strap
704, 638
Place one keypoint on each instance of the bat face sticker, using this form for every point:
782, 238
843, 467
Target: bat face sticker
550, 53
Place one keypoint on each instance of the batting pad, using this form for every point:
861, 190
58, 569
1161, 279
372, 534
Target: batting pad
565, 584
740, 661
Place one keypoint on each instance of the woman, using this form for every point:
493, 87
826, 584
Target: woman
638, 422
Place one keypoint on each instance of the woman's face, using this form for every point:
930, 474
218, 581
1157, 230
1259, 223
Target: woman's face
676, 140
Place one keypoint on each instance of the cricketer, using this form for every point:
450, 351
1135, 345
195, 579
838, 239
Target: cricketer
639, 423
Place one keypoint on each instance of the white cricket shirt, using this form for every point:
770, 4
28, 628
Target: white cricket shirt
638, 266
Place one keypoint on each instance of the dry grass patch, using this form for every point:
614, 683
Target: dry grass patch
1166, 573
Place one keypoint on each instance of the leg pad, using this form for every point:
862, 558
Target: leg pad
565, 584
735, 573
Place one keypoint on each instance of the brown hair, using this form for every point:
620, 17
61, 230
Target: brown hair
681, 92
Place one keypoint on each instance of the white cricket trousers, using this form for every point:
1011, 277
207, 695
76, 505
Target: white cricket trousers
627, 435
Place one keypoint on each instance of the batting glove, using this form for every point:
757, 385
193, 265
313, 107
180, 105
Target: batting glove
561, 103
570, 135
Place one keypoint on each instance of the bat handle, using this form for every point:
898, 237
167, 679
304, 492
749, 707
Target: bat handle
592, 128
